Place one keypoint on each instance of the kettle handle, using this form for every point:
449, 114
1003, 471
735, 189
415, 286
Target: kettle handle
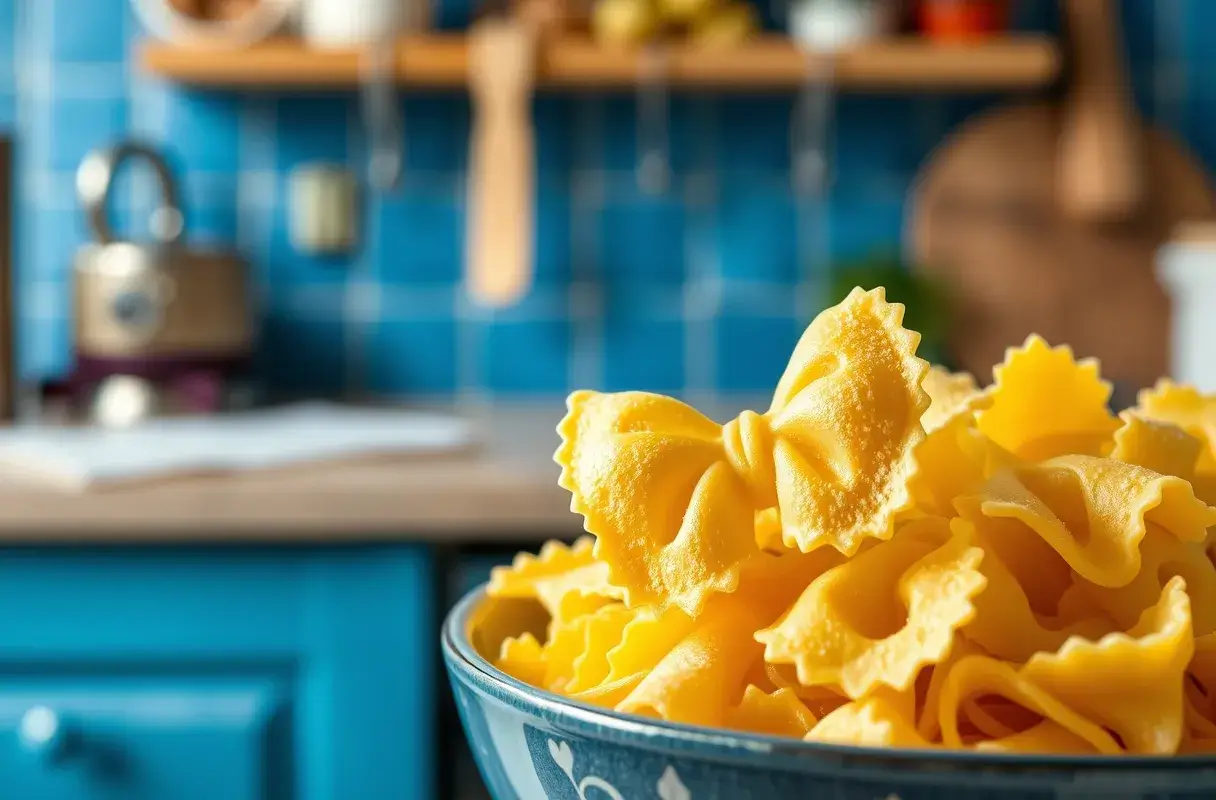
95, 180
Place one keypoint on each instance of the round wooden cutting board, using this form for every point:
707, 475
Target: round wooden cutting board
986, 218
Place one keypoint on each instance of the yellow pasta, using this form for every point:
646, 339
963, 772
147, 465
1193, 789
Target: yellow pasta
873, 722
601, 635
567, 581
694, 683
1093, 511
1130, 683
977, 676
833, 637
780, 713
954, 459
1159, 446
889, 556
1187, 408
672, 497
1162, 557
1044, 404
1044, 738
1007, 625
951, 394
523, 657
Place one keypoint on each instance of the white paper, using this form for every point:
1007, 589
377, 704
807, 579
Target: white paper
81, 456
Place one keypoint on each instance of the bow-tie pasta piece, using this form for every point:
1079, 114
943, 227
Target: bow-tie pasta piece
1006, 623
951, 394
565, 643
1093, 511
981, 676
1162, 557
522, 657
1160, 446
646, 640
780, 713
882, 616
1129, 682
1044, 404
1189, 409
702, 675
672, 497
672, 519
498, 619
844, 420
602, 634
873, 722
567, 581
952, 460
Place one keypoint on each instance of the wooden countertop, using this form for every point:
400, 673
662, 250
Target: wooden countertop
506, 490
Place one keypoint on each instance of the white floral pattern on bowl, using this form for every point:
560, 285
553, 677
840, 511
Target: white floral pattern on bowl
669, 786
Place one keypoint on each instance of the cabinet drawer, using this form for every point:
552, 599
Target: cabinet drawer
290, 673
140, 739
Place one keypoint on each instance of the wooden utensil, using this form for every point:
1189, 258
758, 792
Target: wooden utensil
502, 54
986, 219
1101, 169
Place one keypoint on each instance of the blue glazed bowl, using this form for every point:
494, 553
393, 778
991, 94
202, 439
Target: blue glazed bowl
533, 745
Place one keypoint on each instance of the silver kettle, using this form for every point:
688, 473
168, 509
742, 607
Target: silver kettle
161, 298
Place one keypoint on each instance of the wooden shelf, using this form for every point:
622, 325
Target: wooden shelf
1021, 62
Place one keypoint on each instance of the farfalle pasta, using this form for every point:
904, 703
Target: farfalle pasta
891, 555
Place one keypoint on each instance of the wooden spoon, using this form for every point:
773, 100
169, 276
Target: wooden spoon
502, 55
1101, 171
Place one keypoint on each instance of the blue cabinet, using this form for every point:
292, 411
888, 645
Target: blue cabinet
235, 673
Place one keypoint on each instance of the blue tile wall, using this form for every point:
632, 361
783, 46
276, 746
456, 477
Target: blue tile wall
702, 288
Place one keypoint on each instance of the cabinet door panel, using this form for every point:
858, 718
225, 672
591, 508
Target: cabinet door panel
344, 637
73, 738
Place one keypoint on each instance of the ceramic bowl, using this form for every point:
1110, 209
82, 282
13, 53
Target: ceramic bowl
532, 745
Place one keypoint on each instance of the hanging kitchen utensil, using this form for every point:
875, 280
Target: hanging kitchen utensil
652, 121
811, 134
1101, 165
814, 117
985, 219
153, 300
382, 117
502, 55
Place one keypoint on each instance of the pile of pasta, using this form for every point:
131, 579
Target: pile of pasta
888, 556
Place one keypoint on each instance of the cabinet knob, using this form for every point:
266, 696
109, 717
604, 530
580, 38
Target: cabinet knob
42, 733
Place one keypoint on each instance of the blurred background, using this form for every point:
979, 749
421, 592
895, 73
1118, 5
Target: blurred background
292, 293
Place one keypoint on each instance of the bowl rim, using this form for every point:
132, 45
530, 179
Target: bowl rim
732, 746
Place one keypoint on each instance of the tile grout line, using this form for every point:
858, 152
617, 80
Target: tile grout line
470, 320
587, 298
362, 302
703, 267
258, 117
34, 91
